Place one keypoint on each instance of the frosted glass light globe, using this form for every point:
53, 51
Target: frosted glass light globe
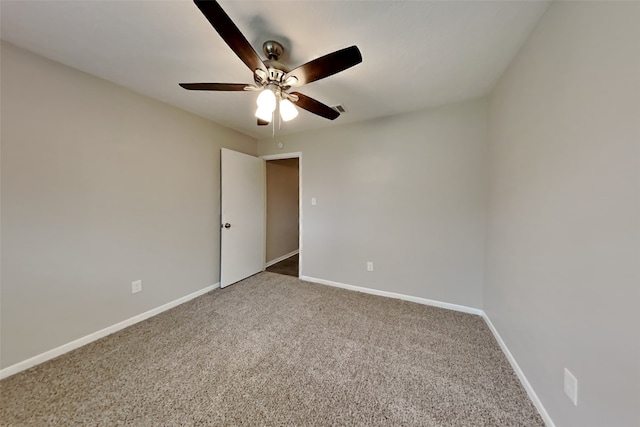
288, 111
266, 100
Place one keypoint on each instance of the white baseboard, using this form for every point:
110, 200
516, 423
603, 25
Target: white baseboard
424, 301
523, 379
282, 258
65, 348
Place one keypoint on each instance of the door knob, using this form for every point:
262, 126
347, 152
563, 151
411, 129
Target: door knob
227, 225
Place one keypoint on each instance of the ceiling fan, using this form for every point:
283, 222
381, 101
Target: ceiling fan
273, 79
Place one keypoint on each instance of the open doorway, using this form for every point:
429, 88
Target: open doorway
283, 214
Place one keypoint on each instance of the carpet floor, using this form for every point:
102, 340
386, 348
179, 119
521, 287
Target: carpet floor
274, 350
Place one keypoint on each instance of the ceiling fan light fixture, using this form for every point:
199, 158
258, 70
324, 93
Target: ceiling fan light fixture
272, 78
288, 111
266, 101
264, 114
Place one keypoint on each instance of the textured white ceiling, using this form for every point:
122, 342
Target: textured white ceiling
416, 54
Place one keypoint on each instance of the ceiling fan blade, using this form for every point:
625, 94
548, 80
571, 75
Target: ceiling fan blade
315, 107
230, 33
262, 122
215, 86
325, 66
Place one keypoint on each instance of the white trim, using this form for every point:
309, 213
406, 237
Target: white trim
281, 258
281, 156
58, 351
300, 213
449, 306
523, 379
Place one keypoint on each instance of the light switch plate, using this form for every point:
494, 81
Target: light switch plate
136, 286
571, 386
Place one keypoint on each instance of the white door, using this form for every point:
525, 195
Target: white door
242, 204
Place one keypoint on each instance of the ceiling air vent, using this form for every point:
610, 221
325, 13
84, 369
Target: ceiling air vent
339, 108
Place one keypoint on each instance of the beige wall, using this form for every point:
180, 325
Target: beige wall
405, 192
282, 207
563, 270
100, 187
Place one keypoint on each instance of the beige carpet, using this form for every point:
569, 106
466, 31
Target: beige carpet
273, 350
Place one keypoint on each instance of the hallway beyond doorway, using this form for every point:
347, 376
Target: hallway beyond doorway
287, 266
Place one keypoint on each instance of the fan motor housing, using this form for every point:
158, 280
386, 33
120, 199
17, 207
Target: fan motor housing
273, 75
276, 70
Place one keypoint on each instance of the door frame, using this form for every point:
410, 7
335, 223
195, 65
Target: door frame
281, 156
